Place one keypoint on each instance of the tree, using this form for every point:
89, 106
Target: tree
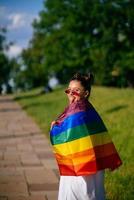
33, 60
77, 35
5, 66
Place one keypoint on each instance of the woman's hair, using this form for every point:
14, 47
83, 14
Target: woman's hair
86, 80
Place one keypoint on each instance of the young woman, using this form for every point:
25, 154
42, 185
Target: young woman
81, 144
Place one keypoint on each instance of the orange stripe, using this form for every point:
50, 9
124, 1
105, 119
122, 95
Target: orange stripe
87, 155
112, 162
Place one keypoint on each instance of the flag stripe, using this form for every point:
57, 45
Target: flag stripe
113, 161
78, 132
82, 144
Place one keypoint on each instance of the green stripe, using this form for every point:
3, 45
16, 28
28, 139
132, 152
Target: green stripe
78, 132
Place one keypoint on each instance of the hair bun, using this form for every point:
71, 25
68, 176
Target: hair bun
89, 78
76, 76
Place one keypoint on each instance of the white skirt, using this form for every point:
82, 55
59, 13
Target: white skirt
89, 187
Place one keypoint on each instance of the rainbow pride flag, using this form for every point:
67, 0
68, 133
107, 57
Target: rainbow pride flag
81, 142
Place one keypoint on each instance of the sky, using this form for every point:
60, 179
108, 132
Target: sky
17, 16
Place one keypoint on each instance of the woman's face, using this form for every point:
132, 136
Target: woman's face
76, 91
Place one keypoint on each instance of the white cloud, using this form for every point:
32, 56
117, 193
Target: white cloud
16, 21
19, 20
14, 51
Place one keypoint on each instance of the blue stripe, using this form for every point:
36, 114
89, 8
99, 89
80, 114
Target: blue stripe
76, 119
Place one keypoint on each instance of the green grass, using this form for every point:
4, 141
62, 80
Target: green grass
116, 109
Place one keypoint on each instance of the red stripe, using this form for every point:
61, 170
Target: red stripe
111, 162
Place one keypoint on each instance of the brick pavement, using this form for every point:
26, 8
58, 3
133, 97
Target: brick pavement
28, 170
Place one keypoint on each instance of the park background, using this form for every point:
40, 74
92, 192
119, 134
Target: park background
71, 36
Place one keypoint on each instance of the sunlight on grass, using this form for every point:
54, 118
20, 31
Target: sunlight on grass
116, 109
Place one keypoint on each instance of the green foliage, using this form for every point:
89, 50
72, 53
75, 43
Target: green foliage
34, 58
84, 36
4, 69
5, 65
113, 105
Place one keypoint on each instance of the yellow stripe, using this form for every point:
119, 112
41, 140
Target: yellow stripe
82, 144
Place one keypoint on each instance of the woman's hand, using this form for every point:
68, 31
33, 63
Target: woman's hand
53, 123
74, 98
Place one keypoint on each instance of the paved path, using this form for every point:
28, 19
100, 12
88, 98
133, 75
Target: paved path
28, 170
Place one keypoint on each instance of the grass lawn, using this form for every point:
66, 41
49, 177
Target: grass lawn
116, 107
